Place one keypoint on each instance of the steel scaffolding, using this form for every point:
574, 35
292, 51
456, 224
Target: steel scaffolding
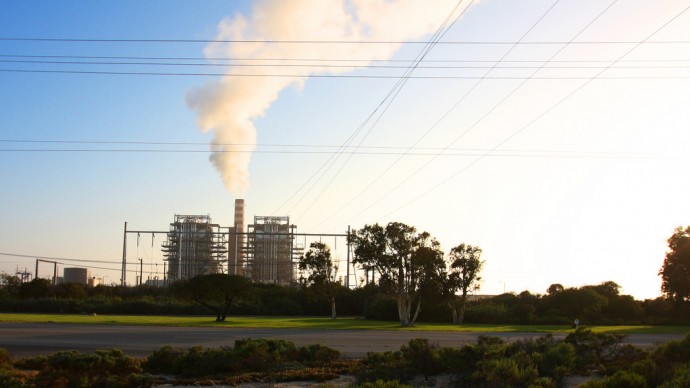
194, 246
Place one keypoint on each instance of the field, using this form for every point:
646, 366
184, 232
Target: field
318, 323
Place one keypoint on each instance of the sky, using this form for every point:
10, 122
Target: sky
552, 134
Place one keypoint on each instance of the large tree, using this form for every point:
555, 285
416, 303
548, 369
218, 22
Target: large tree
675, 272
405, 260
216, 292
463, 275
321, 272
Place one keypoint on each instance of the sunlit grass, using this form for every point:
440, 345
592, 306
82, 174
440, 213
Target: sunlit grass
319, 323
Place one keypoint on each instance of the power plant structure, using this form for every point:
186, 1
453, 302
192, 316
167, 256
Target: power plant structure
266, 251
236, 237
271, 253
194, 246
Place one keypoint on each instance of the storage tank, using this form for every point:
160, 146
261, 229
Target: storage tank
76, 275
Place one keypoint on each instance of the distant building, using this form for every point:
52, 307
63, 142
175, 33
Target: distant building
270, 251
75, 275
194, 246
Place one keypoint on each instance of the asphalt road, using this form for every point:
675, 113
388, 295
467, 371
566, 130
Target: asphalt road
45, 338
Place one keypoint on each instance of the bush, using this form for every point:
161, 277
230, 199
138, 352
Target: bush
317, 354
384, 384
421, 357
515, 371
383, 366
109, 368
485, 312
593, 350
620, 379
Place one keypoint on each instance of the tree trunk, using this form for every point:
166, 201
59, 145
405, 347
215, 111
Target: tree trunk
416, 313
403, 311
332, 307
454, 310
461, 314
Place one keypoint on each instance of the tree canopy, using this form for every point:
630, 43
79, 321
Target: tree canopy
463, 275
404, 259
675, 272
216, 292
321, 272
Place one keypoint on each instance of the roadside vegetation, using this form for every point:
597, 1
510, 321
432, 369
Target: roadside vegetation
600, 304
595, 359
407, 279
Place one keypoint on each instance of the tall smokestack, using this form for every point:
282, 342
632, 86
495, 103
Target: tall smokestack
239, 238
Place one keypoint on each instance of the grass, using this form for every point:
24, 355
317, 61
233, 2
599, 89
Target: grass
318, 323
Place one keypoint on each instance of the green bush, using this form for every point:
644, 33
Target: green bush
163, 360
104, 368
317, 354
516, 371
384, 384
620, 379
386, 366
421, 357
593, 350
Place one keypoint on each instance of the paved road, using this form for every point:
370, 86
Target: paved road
44, 338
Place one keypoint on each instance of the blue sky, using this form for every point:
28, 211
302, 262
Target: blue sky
570, 179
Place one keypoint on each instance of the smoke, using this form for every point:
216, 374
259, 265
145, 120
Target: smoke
228, 107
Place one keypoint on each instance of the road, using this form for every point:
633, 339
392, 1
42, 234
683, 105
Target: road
45, 338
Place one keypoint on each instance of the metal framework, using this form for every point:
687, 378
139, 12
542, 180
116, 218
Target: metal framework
195, 246
267, 252
270, 252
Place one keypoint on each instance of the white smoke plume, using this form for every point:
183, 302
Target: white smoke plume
229, 106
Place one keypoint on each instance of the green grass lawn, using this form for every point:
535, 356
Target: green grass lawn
318, 323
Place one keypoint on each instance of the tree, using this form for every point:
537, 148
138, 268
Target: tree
35, 289
463, 276
216, 292
9, 285
675, 272
321, 272
403, 259
555, 288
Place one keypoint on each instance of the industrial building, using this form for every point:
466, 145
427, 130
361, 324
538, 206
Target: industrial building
75, 275
270, 251
194, 246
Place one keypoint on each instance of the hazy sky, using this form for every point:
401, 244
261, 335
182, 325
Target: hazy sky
552, 134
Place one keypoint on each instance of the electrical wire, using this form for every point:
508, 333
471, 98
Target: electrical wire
452, 108
521, 129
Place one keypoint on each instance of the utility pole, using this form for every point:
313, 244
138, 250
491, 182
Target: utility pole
123, 276
347, 274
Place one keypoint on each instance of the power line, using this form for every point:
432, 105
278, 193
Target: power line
390, 96
363, 76
520, 130
282, 59
453, 107
286, 41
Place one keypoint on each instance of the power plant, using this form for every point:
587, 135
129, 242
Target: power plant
195, 246
270, 250
266, 251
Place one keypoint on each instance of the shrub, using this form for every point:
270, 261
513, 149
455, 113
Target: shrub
317, 354
593, 350
103, 368
163, 360
620, 379
383, 366
384, 384
421, 357
517, 370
